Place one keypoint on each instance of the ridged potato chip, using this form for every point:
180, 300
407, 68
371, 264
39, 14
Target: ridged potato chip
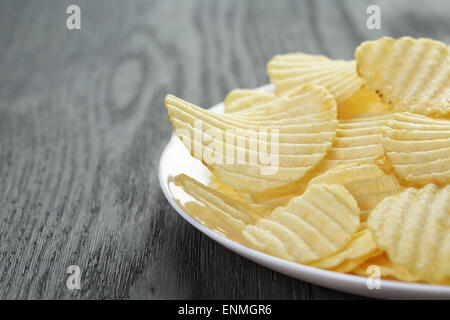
357, 251
418, 147
409, 74
265, 201
414, 230
242, 99
229, 209
298, 133
312, 226
350, 265
388, 269
357, 140
366, 182
288, 72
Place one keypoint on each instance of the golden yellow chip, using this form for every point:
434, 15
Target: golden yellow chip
264, 201
366, 182
387, 268
229, 209
357, 141
288, 72
242, 99
359, 249
414, 229
418, 147
409, 74
350, 265
258, 153
312, 226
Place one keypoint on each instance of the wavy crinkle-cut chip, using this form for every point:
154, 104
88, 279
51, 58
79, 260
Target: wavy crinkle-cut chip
242, 99
311, 226
387, 269
350, 265
264, 202
254, 153
288, 72
366, 182
229, 209
418, 147
414, 230
359, 249
409, 74
357, 140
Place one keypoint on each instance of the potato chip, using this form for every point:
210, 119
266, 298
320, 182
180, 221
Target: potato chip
409, 74
258, 153
265, 201
230, 209
388, 269
357, 141
418, 147
350, 265
312, 226
359, 249
242, 99
266, 241
366, 182
414, 230
288, 72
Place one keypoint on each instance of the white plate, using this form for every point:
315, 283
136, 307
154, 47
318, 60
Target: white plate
175, 159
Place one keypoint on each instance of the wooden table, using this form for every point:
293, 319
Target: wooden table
82, 127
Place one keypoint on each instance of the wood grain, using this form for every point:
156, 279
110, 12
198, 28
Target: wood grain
82, 127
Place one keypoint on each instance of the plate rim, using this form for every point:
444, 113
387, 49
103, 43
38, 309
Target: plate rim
401, 288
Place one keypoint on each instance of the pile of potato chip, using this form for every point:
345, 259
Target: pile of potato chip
364, 160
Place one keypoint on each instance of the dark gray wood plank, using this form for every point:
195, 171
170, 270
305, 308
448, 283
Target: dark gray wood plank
82, 127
